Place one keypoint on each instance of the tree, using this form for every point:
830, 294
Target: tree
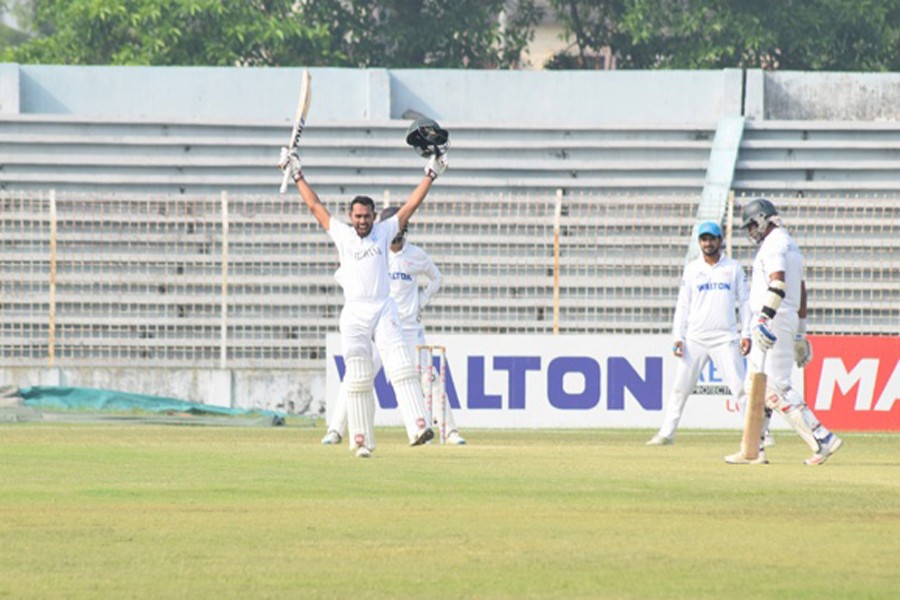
172, 32
13, 11
710, 34
353, 33
427, 33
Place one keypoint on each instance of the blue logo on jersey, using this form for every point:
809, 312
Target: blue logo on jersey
713, 285
400, 275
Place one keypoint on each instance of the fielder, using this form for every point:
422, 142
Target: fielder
369, 313
406, 262
705, 327
778, 303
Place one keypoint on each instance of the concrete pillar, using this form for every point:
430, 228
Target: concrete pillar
9, 89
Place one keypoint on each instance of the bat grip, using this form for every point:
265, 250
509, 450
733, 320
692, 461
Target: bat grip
284, 182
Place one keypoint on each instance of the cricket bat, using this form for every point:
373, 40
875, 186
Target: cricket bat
299, 119
753, 417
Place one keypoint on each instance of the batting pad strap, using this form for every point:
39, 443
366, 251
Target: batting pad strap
398, 364
774, 296
359, 376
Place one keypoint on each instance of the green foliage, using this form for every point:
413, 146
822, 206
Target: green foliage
172, 32
835, 35
351, 33
426, 33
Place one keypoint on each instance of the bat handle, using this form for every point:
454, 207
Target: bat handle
284, 182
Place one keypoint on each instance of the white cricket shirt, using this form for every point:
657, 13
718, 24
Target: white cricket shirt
707, 298
404, 268
363, 274
778, 252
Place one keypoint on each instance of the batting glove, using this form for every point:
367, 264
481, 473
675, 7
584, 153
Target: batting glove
290, 164
762, 333
436, 166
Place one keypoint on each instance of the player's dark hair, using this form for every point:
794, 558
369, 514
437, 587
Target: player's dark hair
364, 200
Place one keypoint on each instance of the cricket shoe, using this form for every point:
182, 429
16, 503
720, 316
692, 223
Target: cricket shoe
331, 438
456, 439
827, 447
422, 436
363, 452
660, 440
738, 458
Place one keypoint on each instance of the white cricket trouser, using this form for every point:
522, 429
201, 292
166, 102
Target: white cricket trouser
414, 334
781, 396
361, 323
727, 359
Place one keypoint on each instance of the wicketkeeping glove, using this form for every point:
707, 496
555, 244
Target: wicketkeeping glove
802, 349
762, 333
290, 164
436, 165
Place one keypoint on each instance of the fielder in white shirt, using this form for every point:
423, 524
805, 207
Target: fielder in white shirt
705, 327
778, 303
370, 314
406, 264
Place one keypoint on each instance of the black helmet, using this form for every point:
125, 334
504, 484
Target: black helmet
388, 212
758, 212
756, 209
427, 137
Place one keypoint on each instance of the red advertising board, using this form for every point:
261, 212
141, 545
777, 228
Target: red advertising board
853, 382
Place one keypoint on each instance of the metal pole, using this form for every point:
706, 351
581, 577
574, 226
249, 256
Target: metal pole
729, 221
557, 214
51, 338
223, 335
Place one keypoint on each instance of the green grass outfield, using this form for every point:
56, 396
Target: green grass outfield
135, 511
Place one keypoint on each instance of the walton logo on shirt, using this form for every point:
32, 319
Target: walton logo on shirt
370, 251
713, 285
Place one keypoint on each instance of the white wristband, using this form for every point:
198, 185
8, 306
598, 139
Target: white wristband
801, 327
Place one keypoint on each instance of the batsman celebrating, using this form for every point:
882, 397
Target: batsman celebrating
406, 262
369, 313
705, 327
778, 302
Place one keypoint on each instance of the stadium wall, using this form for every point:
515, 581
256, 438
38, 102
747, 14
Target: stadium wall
497, 98
471, 96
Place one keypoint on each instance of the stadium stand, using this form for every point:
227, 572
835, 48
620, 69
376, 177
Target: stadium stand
165, 244
82, 154
815, 157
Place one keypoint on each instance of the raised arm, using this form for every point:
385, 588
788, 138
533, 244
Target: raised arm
311, 198
435, 167
290, 164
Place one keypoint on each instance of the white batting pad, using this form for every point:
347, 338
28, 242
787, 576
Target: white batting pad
360, 398
399, 367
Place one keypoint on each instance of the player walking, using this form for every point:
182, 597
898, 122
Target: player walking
778, 303
406, 262
705, 326
369, 313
